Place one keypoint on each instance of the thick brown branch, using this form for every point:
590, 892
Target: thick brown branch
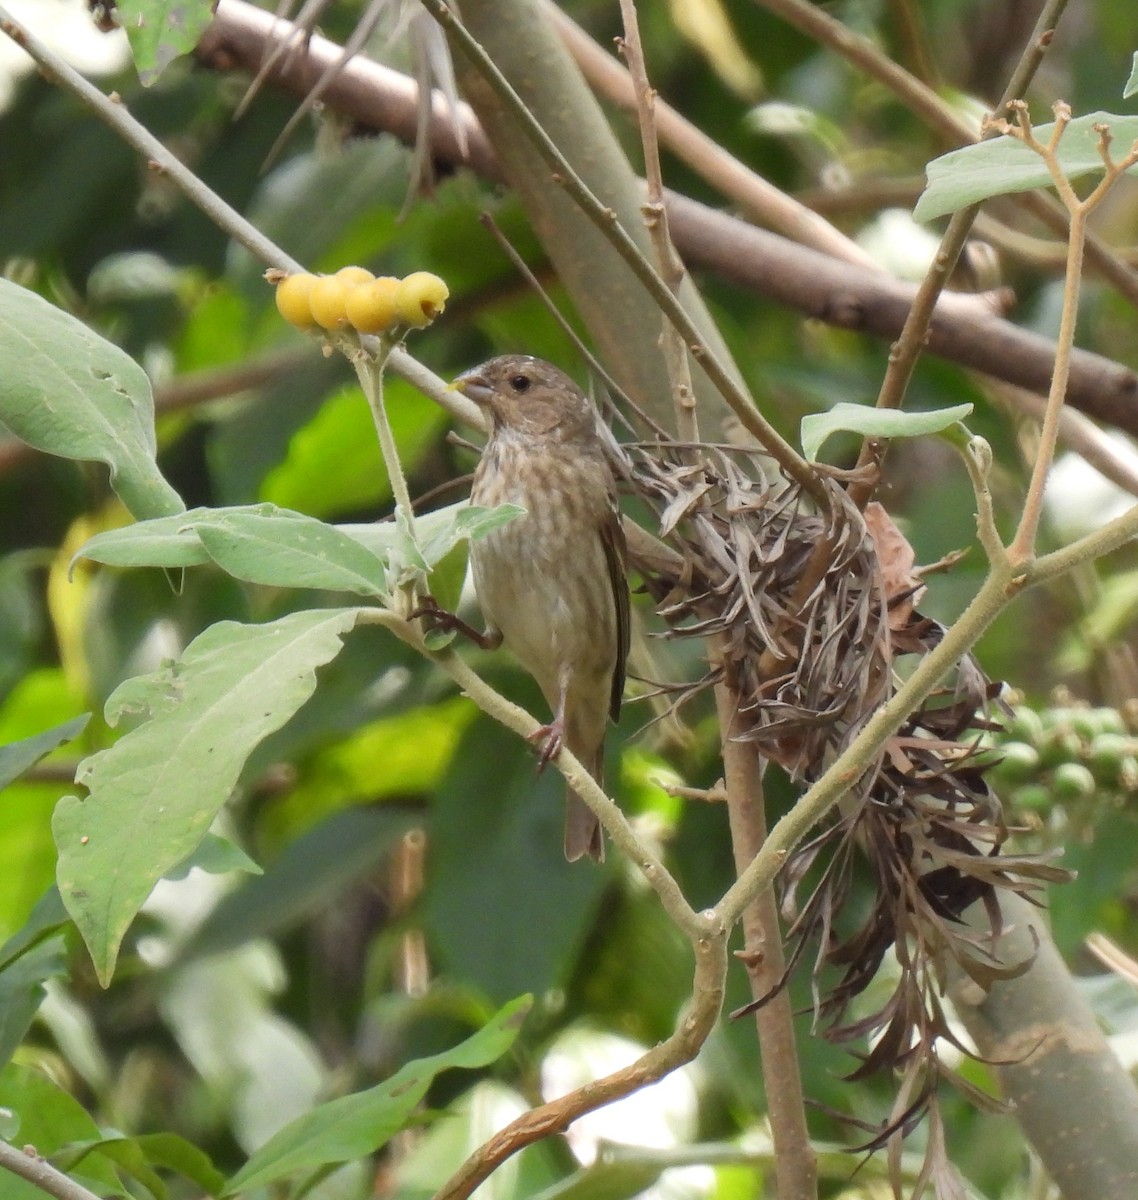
837, 293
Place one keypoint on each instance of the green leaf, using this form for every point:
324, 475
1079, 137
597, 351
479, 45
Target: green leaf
1132, 83
46, 917
67, 391
49, 1119
334, 464
875, 422
17, 757
159, 542
21, 990
216, 856
123, 1152
495, 834
1004, 165
140, 1156
160, 31
259, 543
298, 552
155, 792
353, 1126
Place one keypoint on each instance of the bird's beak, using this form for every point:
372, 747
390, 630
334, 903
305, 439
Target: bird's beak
473, 385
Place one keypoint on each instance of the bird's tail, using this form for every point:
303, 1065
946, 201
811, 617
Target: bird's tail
583, 834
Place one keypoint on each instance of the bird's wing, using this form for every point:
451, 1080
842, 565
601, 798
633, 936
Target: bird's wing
612, 539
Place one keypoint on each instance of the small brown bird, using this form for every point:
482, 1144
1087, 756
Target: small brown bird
552, 584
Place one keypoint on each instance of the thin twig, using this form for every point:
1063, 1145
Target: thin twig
760, 200
910, 345
30, 1166
1022, 547
603, 217
814, 21
668, 262
369, 371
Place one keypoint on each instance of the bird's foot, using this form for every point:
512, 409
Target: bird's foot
548, 739
440, 620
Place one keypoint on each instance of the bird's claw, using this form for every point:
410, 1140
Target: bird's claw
440, 620
548, 739
434, 615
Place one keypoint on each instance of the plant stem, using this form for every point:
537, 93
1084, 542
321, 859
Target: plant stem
606, 221
369, 369
668, 262
909, 347
796, 1167
28, 1165
1022, 547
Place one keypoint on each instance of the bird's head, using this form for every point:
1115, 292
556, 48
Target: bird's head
527, 395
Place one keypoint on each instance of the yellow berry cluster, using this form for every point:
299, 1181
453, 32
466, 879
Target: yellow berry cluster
357, 298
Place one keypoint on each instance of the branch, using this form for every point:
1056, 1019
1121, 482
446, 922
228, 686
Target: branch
796, 1166
909, 347
941, 117
794, 276
656, 220
29, 1165
691, 1032
760, 200
606, 219
1074, 1099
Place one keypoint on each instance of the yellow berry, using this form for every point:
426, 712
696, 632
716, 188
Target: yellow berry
326, 298
292, 300
352, 276
420, 298
371, 306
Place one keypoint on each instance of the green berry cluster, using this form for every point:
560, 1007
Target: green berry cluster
1063, 754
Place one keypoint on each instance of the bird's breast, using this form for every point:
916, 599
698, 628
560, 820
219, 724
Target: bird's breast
543, 578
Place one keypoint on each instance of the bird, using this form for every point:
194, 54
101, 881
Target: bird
552, 584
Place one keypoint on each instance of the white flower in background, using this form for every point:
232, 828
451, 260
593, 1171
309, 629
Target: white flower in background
895, 241
68, 28
661, 1116
1078, 499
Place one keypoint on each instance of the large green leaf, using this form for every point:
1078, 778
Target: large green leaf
875, 422
338, 447
154, 793
496, 848
262, 543
353, 1126
298, 553
259, 543
1003, 165
68, 391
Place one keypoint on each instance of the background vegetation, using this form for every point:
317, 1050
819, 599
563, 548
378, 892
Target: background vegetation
410, 876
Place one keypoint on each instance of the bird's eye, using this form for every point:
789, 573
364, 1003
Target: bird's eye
520, 383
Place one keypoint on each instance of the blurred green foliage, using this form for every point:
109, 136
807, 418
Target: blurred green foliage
413, 880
